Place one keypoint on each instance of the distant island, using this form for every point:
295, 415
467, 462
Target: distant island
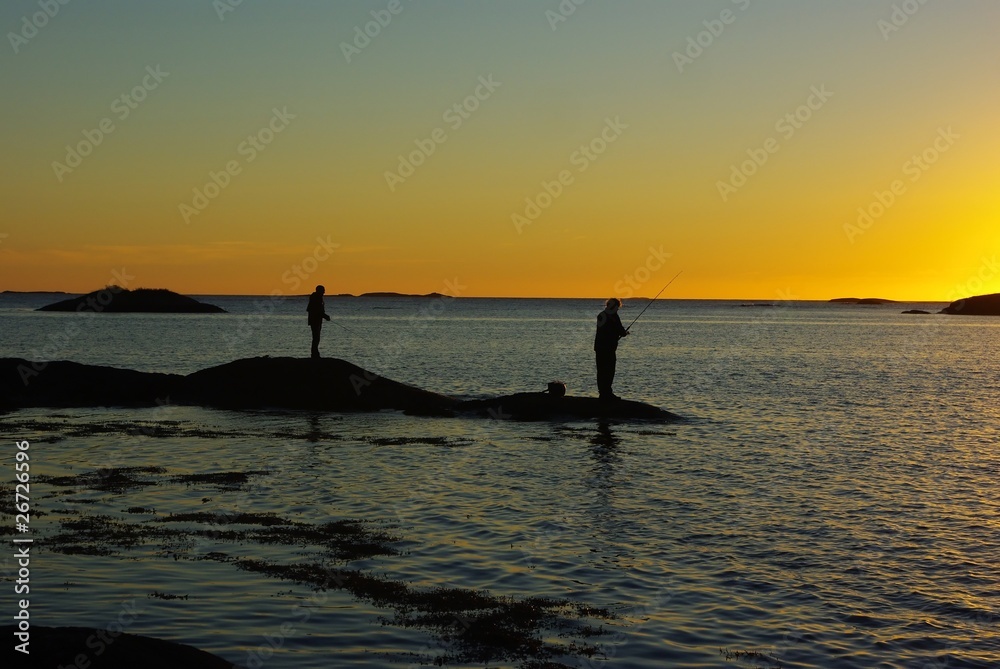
114, 299
980, 305
862, 300
34, 292
389, 294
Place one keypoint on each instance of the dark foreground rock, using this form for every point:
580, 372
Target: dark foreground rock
326, 384
53, 647
917, 311
542, 406
980, 305
114, 299
24, 383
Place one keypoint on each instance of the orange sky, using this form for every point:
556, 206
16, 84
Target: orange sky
779, 150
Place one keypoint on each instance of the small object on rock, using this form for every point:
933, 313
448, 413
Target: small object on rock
557, 389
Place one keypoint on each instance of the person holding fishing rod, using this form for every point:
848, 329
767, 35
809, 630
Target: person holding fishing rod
609, 331
317, 314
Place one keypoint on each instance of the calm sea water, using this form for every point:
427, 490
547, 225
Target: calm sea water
831, 497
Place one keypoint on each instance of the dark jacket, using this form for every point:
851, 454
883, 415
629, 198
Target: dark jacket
609, 331
316, 309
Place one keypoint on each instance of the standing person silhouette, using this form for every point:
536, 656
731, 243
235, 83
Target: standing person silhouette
609, 331
317, 314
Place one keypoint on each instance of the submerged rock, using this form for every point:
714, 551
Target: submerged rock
980, 305
916, 311
114, 299
98, 649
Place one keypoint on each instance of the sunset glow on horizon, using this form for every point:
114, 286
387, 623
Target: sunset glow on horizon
773, 150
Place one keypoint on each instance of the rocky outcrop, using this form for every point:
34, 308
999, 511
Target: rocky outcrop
325, 384
52, 647
980, 305
114, 299
543, 406
24, 383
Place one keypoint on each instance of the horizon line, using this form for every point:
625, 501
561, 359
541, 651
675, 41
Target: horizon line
389, 294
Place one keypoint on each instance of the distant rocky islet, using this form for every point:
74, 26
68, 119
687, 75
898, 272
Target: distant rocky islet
115, 299
979, 305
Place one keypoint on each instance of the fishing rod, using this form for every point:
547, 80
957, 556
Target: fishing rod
654, 299
345, 328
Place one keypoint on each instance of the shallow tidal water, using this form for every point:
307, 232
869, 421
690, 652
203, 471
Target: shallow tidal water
830, 499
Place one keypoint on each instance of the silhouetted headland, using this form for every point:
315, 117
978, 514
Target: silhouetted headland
862, 300
980, 305
114, 299
391, 294
61, 646
323, 384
